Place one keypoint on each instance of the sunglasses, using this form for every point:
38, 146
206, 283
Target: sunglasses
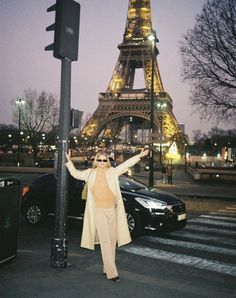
102, 160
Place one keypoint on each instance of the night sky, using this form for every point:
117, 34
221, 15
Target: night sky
24, 63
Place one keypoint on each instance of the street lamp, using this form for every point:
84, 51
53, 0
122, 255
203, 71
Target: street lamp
153, 39
19, 103
161, 106
10, 145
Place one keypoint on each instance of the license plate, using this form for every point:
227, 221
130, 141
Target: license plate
181, 217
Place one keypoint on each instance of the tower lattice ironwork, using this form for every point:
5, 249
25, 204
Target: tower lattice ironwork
121, 101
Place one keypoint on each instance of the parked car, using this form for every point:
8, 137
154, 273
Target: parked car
146, 209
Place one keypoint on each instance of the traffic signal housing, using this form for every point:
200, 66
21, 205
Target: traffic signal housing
66, 27
76, 117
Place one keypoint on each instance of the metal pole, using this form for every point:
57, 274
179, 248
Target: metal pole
59, 246
19, 121
185, 157
151, 154
161, 132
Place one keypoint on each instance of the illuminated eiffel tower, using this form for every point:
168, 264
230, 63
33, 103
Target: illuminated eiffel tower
121, 103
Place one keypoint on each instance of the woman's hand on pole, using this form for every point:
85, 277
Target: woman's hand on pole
143, 153
68, 155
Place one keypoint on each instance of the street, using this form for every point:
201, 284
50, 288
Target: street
197, 261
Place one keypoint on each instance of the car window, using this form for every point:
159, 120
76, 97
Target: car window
130, 184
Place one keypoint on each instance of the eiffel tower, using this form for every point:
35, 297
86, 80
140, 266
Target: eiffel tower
121, 102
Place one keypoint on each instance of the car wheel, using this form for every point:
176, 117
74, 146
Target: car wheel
34, 213
134, 224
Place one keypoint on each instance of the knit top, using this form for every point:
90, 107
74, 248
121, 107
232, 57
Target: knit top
104, 197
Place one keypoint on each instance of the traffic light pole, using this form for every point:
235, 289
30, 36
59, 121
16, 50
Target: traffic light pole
151, 151
59, 248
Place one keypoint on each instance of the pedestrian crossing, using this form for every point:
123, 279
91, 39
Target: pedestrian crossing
208, 242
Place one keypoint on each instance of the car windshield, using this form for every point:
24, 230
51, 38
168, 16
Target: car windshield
130, 184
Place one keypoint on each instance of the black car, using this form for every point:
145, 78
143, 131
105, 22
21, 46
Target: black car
147, 209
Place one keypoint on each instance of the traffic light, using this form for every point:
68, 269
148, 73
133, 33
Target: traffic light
76, 117
66, 27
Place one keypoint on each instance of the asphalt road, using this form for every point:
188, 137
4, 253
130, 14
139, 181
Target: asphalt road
197, 261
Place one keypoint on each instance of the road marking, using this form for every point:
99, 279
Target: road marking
182, 259
223, 240
226, 211
192, 245
213, 222
33, 252
218, 230
25, 251
233, 208
225, 218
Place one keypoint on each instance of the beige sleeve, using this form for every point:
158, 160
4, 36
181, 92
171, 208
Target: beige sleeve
77, 174
124, 166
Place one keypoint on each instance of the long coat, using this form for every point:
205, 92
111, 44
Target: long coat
89, 237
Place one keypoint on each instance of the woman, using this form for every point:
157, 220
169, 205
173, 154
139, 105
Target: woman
104, 217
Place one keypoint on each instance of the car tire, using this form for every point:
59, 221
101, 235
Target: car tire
34, 213
134, 223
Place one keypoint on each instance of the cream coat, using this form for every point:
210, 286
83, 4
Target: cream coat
89, 231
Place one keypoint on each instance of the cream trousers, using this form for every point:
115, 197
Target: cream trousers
105, 222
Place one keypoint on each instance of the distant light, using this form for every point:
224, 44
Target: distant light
20, 101
151, 37
162, 105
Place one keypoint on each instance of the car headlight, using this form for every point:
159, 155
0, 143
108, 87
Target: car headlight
151, 203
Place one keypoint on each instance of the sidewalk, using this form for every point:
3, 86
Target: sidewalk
185, 185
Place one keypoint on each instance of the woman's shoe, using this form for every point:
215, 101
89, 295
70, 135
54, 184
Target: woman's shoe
115, 279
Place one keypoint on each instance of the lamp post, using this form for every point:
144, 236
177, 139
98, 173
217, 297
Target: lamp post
152, 38
185, 157
19, 102
131, 129
10, 144
161, 106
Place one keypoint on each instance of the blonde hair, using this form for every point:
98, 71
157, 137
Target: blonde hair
103, 153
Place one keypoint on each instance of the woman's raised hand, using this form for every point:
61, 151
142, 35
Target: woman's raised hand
143, 153
68, 155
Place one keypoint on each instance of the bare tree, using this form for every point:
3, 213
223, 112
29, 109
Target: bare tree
39, 115
209, 60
